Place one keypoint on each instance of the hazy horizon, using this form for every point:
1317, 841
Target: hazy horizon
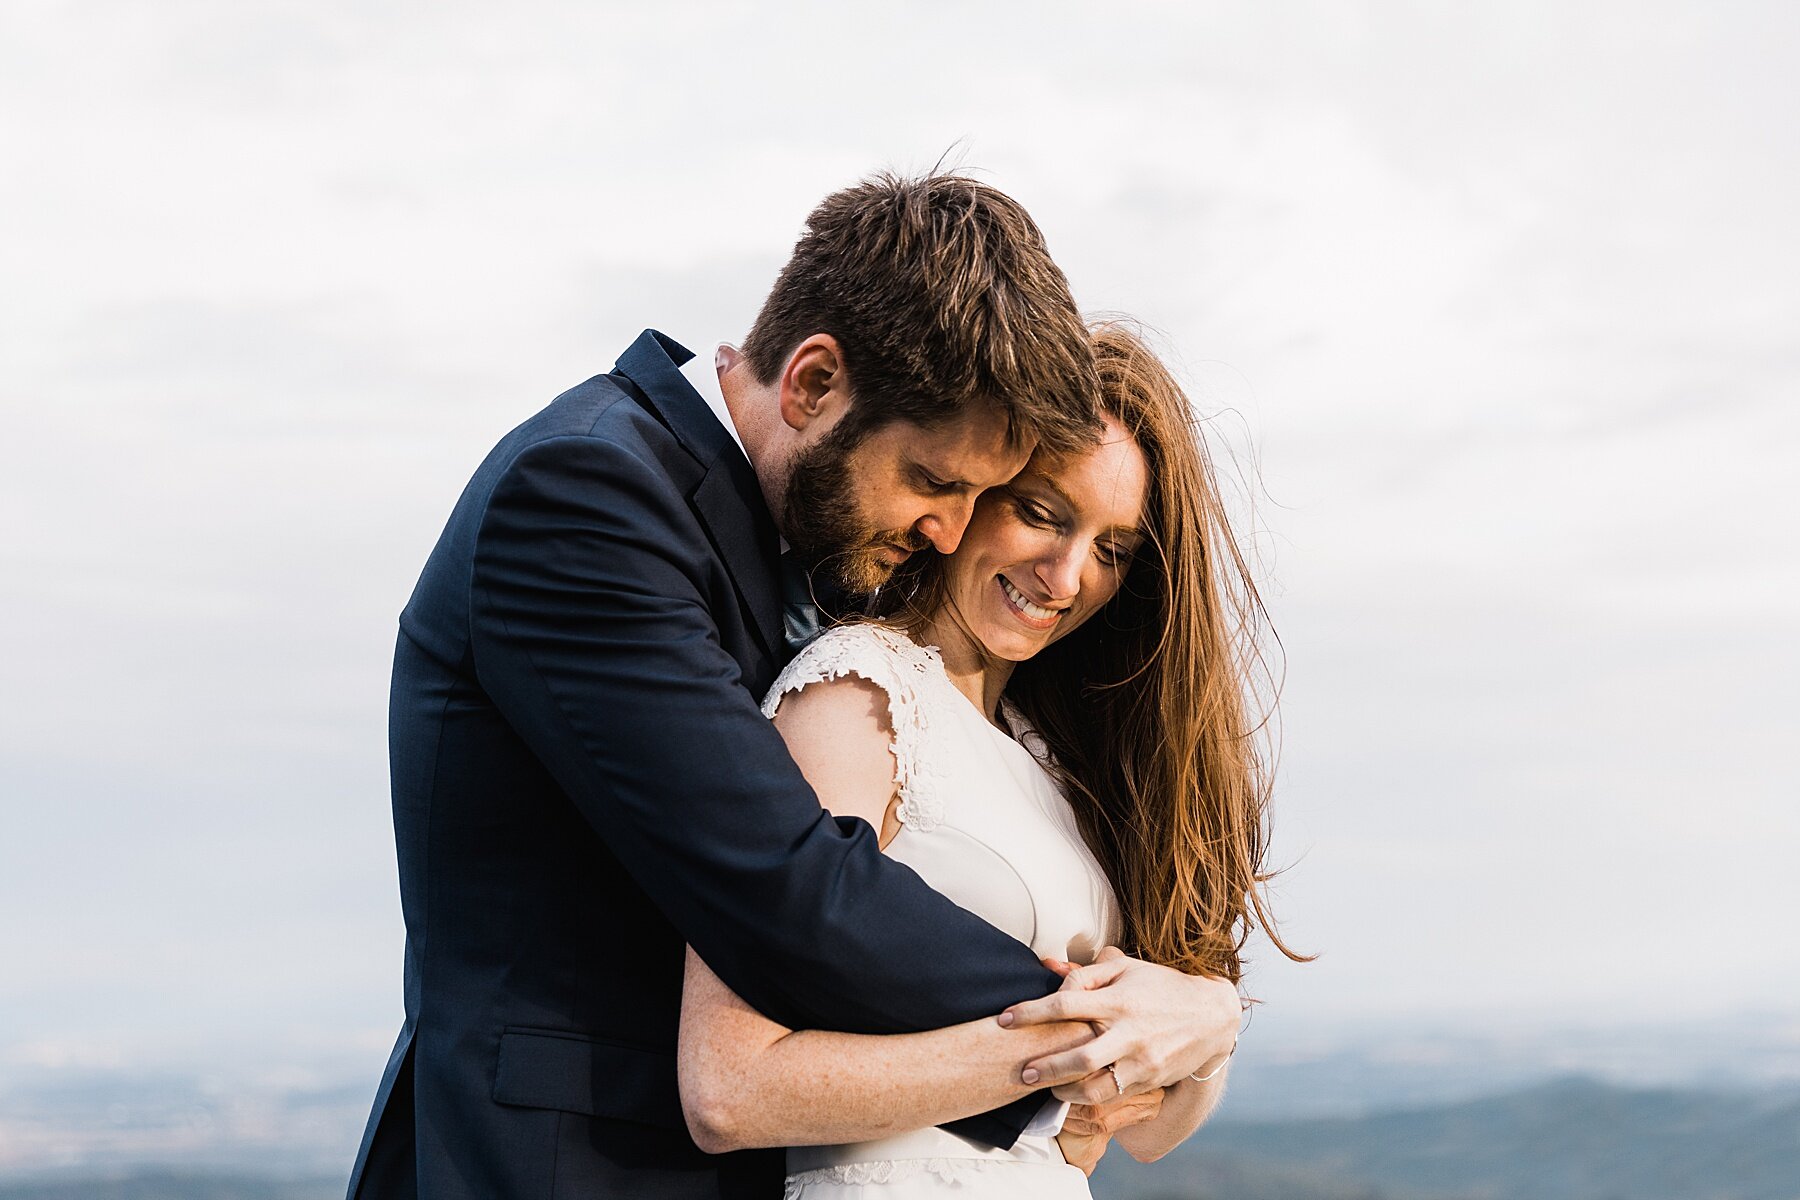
67, 1121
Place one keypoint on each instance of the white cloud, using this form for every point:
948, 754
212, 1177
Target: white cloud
1503, 298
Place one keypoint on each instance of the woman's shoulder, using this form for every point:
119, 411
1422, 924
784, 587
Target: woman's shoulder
879, 653
903, 673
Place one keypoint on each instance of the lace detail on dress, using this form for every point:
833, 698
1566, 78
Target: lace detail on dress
946, 1170
900, 667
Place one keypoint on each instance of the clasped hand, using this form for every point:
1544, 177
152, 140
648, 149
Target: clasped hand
1155, 1026
1089, 1127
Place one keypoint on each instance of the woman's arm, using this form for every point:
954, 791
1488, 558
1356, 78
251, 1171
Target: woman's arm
1148, 1124
1090, 1128
749, 1081
1185, 1107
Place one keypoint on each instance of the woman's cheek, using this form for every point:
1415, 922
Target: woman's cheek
996, 536
1097, 590
1105, 586
991, 516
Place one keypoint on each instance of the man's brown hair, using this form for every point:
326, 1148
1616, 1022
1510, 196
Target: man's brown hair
941, 295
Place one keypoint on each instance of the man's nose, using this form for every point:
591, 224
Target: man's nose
944, 528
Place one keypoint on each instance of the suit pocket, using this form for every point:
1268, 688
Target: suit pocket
571, 1072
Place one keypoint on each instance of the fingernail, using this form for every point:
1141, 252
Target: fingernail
1030, 1075
1006, 1018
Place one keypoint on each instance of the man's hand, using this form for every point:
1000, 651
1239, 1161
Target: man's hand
1089, 1127
1157, 1025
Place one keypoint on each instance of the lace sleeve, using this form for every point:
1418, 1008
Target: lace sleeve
901, 668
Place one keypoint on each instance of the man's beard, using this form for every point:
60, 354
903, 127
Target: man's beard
824, 524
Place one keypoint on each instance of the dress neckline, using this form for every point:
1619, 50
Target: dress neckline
1016, 724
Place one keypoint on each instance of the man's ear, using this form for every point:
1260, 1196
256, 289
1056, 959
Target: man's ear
814, 385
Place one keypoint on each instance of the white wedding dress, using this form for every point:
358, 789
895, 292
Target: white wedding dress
983, 822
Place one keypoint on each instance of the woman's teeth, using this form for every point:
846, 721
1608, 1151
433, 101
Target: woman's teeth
1036, 612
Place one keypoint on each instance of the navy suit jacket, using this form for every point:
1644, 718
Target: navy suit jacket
582, 783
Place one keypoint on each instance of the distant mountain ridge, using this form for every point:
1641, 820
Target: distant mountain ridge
161, 1184
1572, 1138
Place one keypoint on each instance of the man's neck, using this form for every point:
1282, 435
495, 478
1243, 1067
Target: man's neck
752, 410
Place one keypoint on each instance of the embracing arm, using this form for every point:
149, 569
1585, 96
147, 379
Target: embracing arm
592, 632
748, 1081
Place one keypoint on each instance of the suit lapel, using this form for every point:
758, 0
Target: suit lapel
746, 538
728, 500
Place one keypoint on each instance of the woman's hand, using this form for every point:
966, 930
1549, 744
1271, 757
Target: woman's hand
1149, 1123
1090, 1127
1157, 1025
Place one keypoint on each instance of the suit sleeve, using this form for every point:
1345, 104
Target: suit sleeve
592, 634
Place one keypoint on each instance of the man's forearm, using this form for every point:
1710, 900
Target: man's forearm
747, 1081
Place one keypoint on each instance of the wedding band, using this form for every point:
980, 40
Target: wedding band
1115, 1075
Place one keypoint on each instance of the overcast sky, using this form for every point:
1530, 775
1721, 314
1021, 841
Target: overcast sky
1497, 306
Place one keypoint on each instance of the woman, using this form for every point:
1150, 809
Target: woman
1050, 726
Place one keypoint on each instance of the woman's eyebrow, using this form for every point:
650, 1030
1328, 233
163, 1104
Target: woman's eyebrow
1132, 531
1049, 481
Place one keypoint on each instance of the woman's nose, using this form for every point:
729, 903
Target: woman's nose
1061, 573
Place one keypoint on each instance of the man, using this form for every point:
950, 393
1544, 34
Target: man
581, 779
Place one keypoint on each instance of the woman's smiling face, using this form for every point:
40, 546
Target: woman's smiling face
1047, 551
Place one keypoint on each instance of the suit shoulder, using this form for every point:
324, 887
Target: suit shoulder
594, 421
588, 409
588, 444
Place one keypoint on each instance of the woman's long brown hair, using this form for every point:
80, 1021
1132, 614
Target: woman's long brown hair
1147, 710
